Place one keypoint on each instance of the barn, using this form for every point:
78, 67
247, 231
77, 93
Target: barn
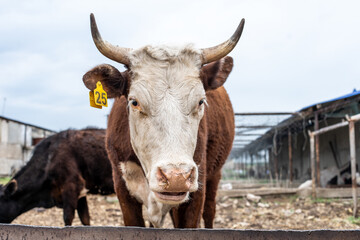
17, 140
283, 151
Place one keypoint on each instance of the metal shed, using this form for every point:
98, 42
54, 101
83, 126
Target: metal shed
17, 140
286, 146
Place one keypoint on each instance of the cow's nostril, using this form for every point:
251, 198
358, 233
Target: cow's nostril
161, 174
189, 175
162, 178
193, 174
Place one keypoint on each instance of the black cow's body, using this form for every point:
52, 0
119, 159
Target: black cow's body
62, 169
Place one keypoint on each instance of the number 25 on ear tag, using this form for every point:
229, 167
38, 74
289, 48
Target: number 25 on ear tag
100, 95
92, 100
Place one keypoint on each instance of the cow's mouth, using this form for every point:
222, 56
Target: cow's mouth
171, 196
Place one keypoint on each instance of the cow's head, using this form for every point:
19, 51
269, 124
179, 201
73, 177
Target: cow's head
166, 92
8, 209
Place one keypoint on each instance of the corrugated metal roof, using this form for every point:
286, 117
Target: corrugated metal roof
300, 116
354, 93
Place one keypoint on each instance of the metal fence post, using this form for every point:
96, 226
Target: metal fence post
290, 157
312, 158
353, 163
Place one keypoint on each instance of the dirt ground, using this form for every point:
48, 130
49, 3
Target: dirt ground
287, 212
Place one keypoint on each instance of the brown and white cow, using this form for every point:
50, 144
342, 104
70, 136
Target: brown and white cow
170, 129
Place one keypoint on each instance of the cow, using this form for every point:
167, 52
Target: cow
170, 129
62, 169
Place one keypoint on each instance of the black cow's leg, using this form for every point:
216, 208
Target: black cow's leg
70, 199
69, 212
83, 211
210, 202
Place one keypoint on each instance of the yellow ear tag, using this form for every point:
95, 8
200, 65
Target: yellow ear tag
92, 100
100, 95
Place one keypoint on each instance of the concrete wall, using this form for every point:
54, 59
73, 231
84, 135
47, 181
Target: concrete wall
9, 231
16, 144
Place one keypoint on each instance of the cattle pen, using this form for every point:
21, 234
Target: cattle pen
286, 149
35, 233
269, 158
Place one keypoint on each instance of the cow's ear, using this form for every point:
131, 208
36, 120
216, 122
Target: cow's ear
114, 82
214, 75
11, 187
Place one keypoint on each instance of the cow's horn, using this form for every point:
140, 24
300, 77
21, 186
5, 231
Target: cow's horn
116, 53
215, 53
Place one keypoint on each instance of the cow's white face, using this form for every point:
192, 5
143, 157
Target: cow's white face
166, 103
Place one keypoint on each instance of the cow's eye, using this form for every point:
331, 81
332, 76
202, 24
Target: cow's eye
202, 101
134, 103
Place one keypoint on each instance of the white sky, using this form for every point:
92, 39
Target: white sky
291, 54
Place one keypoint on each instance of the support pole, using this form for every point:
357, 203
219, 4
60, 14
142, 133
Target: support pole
276, 170
353, 164
317, 151
247, 166
252, 165
243, 159
266, 158
271, 166
312, 158
24, 147
257, 166
276, 160
241, 164
290, 157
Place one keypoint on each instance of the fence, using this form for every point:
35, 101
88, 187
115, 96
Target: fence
79, 233
315, 154
248, 128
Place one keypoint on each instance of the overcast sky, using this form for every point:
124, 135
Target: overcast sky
291, 53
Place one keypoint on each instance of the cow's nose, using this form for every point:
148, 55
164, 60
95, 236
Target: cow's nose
175, 180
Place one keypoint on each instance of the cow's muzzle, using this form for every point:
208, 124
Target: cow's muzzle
174, 184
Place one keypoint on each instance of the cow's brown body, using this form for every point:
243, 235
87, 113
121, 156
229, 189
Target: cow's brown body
215, 137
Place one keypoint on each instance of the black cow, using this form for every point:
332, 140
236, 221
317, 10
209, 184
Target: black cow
63, 168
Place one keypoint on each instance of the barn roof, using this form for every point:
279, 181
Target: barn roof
27, 124
304, 118
349, 95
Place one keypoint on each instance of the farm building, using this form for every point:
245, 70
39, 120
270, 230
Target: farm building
283, 151
17, 140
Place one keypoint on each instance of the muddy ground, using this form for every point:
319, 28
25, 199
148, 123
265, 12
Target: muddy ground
286, 212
